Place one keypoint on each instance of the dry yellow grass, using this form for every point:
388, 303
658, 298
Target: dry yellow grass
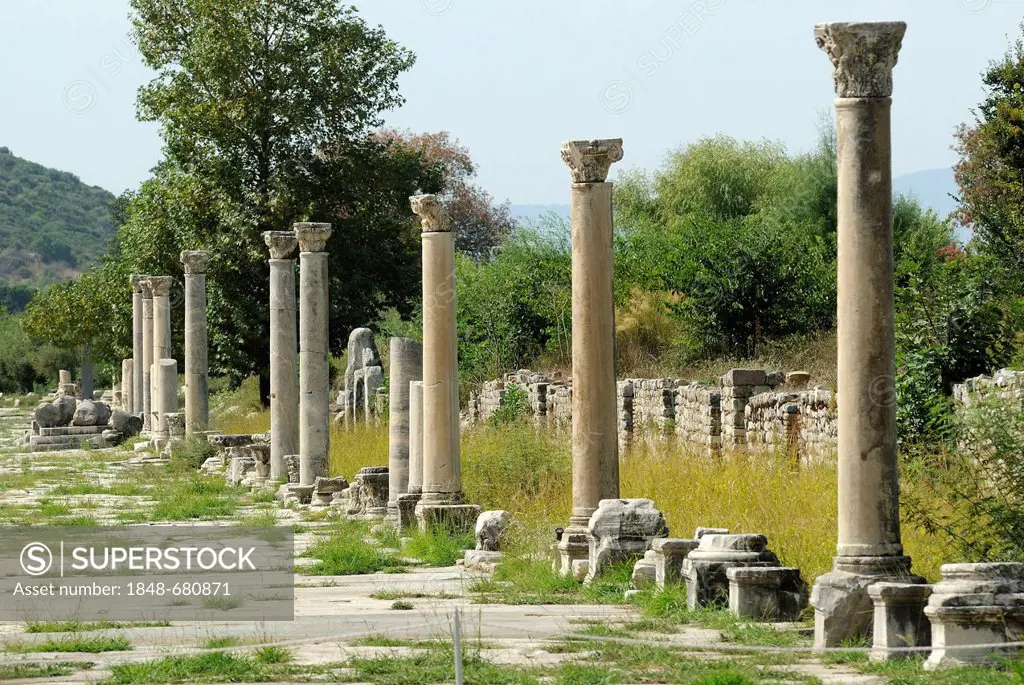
528, 473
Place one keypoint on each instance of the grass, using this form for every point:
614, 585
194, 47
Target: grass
59, 669
439, 546
86, 626
202, 668
91, 645
345, 551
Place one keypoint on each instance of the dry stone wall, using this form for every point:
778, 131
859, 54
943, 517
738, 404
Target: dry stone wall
745, 407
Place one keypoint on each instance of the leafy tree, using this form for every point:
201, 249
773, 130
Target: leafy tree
479, 224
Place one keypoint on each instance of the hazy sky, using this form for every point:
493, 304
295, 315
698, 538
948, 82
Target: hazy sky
512, 80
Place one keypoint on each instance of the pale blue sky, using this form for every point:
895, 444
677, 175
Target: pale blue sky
512, 80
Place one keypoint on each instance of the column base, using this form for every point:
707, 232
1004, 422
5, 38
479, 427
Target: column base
402, 512
843, 609
447, 510
573, 551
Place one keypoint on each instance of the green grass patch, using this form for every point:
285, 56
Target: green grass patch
437, 666
399, 594
202, 668
55, 670
222, 642
86, 626
196, 497
263, 518
91, 645
345, 551
439, 546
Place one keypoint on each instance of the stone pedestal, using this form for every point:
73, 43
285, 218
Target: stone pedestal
138, 323
284, 373
128, 385
406, 361
197, 387
707, 583
595, 465
314, 384
899, 619
147, 354
869, 548
621, 530
161, 287
442, 500
669, 555
767, 594
973, 607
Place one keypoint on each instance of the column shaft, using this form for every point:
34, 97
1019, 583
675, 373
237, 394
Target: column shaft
147, 366
127, 385
415, 486
595, 468
406, 360
167, 401
284, 376
442, 473
138, 324
314, 373
197, 390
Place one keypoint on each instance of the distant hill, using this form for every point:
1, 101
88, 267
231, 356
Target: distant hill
931, 187
51, 226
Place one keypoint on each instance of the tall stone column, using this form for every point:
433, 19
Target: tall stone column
869, 548
135, 391
197, 365
595, 447
147, 354
127, 383
314, 384
284, 372
406, 360
161, 287
442, 500
415, 438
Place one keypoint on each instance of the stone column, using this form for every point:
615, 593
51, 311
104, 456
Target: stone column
166, 371
197, 367
314, 383
161, 287
442, 500
284, 373
416, 437
595, 448
87, 372
869, 548
147, 354
136, 391
406, 361
127, 385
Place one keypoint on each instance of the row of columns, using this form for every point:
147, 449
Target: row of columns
149, 378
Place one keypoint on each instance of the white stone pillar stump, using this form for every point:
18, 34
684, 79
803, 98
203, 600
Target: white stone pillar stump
127, 385
869, 548
314, 384
442, 499
406, 362
197, 364
167, 400
595, 448
284, 371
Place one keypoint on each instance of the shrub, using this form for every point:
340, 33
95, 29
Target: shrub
515, 405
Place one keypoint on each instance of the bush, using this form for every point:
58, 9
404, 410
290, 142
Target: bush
515, 405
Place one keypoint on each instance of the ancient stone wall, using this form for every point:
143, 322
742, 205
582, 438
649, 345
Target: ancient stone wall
746, 406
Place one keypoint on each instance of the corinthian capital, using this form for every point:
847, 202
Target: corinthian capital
136, 280
863, 55
195, 261
161, 285
146, 287
590, 160
312, 237
282, 244
432, 216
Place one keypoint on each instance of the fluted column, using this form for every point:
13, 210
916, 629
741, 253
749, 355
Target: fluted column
869, 548
442, 499
314, 384
147, 353
595, 450
161, 287
197, 365
284, 374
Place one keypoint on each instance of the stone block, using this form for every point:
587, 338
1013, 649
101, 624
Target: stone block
741, 377
899, 619
490, 527
481, 560
458, 518
645, 570
406, 505
705, 567
622, 530
670, 553
46, 415
766, 593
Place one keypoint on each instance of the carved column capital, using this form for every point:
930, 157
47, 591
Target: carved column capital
195, 261
312, 237
146, 287
432, 216
863, 54
161, 285
137, 280
590, 160
282, 244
